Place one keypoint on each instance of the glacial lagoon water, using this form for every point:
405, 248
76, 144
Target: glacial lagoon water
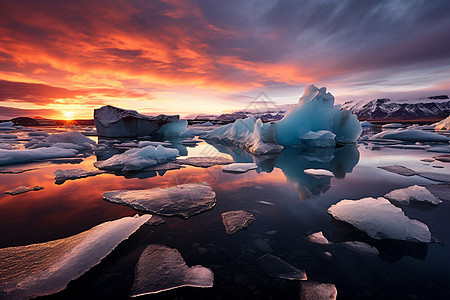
288, 205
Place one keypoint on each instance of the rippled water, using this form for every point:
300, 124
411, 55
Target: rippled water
288, 206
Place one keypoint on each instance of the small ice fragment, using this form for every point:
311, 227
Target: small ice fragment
311, 290
442, 190
366, 124
161, 268
204, 162
184, 200
318, 238
266, 203
239, 167
318, 173
401, 170
443, 158
411, 135
412, 193
236, 220
71, 174
393, 126
46, 268
278, 268
360, 247
427, 159
439, 149
23, 189
380, 220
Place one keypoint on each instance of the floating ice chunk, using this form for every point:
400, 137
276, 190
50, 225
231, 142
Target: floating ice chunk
38, 134
315, 111
366, 124
401, 170
360, 247
411, 135
70, 146
62, 175
412, 193
111, 121
72, 137
239, 167
442, 190
321, 138
236, 220
380, 220
278, 268
143, 144
46, 268
249, 134
184, 200
318, 238
161, 268
207, 123
6, 124
439, 149
204, 162
138, 159
443, 158
192, 132
311, 290
443, 125
8, 136
9, 157
23, 189
393, 126
318, 173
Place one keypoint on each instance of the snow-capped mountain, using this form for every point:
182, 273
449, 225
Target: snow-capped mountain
430, 108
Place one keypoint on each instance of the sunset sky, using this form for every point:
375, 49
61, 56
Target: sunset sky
62, 59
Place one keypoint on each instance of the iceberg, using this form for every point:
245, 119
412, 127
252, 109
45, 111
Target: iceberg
239, 167
311, 290
315, 112
443, 125
249, 133
380, 220
412, 193
184, 200
161, 268
46, 268
9, 157
236, 220
278, 268
111, 121
23, 189
411, 135
138, 159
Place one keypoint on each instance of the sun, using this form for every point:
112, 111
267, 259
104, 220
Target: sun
68, 115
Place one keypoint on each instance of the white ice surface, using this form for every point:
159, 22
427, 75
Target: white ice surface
393, 126
318, 238
443, 125
9, 157
46, 268
380, 220
411, 135
321, 138
138, 159
318, 172
412, 193
239, 167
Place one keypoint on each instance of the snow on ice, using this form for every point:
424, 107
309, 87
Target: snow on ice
412, 193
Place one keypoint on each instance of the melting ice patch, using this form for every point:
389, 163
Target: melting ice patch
236, 220
46, 268
138, 159
204, 162
278, 268
62, 175
318, 238
184, 200
380, 220
412, 193
161, 268
23, 189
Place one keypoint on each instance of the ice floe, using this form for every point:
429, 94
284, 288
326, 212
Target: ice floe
111, 121
401, 170
380, 220
23, 189
278, 268
62, 175
442, 190
443, 158
412, 193
138, 159
161, 268
411, 135
204, 162
236, 220
239, 167
9, 157
393, 126
311, 290
184, 200
318, 173
360, 247
318, 238
46, 268
71, 137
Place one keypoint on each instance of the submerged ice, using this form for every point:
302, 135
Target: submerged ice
237, 220
380, 220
